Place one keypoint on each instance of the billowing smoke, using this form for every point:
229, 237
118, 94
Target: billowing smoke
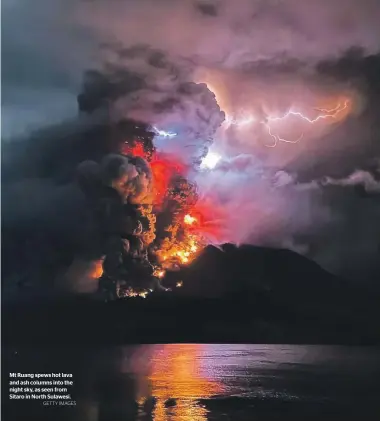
145, 86
361, 178
220, 77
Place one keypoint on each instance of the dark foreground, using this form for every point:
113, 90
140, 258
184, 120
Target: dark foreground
88, 338
171, 318
204, 382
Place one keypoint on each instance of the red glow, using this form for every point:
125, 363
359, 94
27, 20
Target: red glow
164, 168
208, 220
194, 223
136, 150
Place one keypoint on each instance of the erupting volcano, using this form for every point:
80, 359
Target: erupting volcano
147, 184
154, 220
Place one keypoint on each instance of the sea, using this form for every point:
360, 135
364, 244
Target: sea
200, 382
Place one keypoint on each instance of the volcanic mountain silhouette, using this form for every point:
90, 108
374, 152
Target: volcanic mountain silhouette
231, 294
284, 277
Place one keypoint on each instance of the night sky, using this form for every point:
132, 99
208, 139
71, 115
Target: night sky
316, 191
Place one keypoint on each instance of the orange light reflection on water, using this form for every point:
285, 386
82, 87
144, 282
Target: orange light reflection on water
176, 374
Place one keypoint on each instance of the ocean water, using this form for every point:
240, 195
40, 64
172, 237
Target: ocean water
194, 382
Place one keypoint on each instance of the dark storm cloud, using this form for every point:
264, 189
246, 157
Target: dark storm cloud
43, 59
243, 31
347, 242
59, 39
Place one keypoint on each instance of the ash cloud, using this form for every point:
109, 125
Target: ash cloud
141, 83
240, 32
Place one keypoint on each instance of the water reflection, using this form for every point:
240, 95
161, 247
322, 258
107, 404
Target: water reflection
176, 380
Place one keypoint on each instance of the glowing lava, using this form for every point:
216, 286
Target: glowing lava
189, 220
179, 252
130, 292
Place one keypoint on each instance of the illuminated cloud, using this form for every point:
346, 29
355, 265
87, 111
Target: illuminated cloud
210, 160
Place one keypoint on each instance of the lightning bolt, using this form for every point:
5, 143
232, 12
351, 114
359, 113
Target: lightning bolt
328, 113
163, 133
277, 138
332, 110
325, 113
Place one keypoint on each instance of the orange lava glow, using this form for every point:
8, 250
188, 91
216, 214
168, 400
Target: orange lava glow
130, 292
96, 269
164, 168
189, 220
208, 220
190, 235
174, 253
